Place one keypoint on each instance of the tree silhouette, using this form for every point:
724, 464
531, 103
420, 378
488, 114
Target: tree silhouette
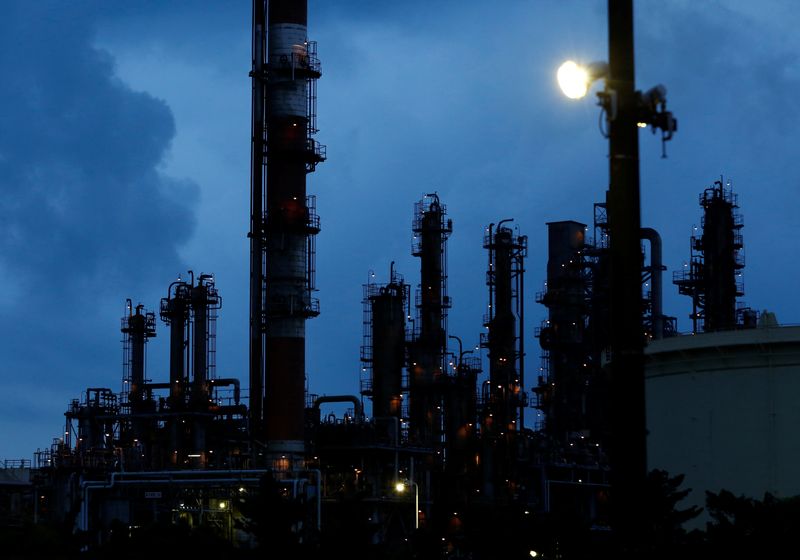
745, 527
665, 520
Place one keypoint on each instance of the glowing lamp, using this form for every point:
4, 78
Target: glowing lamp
574, 79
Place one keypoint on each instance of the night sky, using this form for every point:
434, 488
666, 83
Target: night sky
124, 162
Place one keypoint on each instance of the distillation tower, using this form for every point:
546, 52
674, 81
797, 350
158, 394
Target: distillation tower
190, 311
567, 368
712, 277
138, 326
503, 400
428, 349
383, 354
576, 335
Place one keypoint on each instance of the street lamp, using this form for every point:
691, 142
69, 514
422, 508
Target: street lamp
625, 110
575, 79
401, 487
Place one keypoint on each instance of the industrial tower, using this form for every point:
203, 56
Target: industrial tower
383, 354
712, 275
429, 347
503, 399
283, 223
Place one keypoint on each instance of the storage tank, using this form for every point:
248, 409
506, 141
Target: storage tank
722, 410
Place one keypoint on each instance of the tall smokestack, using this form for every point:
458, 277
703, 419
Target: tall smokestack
283, 221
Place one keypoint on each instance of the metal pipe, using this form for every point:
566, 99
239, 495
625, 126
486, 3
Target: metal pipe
88, 486
227, 382
187, 477
416, 504
521, 344
256, 233
656, 280
491, 269
460, 347
157, 385
359, 412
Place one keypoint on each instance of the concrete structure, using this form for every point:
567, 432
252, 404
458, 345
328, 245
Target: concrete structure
722, 409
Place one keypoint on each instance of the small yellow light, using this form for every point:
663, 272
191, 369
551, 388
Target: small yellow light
641, 124
400, 487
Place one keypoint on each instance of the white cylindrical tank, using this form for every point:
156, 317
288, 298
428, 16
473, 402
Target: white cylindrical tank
722, 409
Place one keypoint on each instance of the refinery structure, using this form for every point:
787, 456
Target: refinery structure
438, 442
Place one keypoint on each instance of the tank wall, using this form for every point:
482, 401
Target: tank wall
722, 409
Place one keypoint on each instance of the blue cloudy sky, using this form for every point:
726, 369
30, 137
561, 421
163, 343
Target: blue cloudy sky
124, 161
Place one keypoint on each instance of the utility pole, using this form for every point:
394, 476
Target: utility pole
628, 448
626, 110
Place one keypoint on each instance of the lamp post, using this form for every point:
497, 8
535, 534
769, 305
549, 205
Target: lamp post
401, 488
627, 441
626, 111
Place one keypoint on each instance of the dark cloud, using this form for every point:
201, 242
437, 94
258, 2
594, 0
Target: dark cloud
86, 216
80, 153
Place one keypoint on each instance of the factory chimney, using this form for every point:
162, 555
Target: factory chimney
283, 223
